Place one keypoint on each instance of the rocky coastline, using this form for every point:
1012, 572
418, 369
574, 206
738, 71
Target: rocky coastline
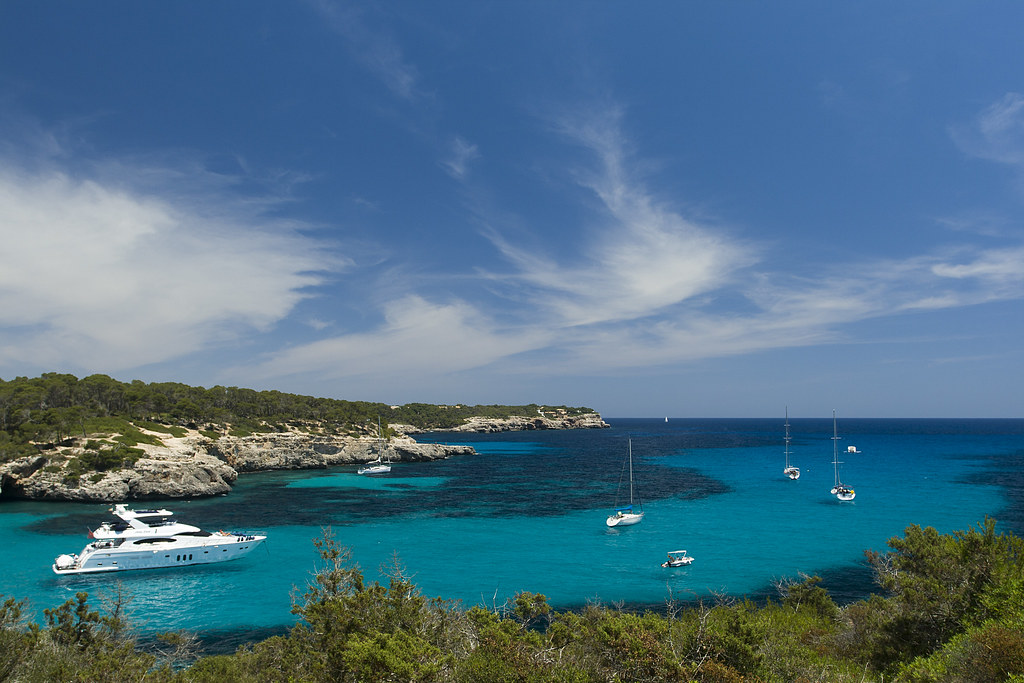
195, 465
519, 423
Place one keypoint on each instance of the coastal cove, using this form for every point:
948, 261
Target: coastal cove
526, 512
195, 465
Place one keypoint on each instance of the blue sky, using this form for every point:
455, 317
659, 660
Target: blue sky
648, 208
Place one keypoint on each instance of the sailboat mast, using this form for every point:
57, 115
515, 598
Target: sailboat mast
631, 472
835, 447
787, 437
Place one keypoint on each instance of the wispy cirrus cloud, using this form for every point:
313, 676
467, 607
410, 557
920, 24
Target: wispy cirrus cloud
417, 337
997, 133
647, 287
462, 153
100, 273
792, 312
377, 51
639, 257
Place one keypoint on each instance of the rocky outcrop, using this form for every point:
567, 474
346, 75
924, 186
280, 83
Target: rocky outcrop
519, 423
157, 477
195, 466
262, 452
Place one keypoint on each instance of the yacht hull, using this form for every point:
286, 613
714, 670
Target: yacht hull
154, 554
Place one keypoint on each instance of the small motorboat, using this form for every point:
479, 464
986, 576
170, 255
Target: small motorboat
677, 558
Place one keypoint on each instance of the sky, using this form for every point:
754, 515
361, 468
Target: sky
683, 209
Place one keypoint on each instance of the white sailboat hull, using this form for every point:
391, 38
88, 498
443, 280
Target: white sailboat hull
790, 471
839, 490
624, 519
624, 516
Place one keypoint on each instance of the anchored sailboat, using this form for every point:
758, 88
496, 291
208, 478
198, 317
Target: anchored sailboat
625, 516
839, 490
380, 465
789, 471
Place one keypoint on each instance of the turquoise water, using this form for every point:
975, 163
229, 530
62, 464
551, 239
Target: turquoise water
527, 513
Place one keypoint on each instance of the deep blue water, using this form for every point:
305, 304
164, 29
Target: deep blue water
527, 513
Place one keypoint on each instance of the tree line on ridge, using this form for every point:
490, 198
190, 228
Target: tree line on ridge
53, 407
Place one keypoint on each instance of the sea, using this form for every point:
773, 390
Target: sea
527, 513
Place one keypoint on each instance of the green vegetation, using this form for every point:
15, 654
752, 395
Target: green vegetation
952, 610
45, 412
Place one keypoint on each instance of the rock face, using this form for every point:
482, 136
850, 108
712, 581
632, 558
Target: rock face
515, 423
262, 452
194, 466
155, 477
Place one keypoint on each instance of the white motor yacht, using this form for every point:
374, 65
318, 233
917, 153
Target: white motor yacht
152, 539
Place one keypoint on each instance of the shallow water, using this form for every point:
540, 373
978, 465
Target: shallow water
527, 513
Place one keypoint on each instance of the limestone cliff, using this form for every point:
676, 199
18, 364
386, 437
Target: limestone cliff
194, 465
521, 423
303, 451
163, 473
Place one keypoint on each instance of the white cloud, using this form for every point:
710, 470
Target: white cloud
789, 312
460, 155
640, 258
418, 337
998, 267
376, 51
105, 277
648, 287
997, 134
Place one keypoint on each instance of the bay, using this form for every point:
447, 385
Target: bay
527, 514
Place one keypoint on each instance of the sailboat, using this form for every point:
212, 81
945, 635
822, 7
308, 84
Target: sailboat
789, 471
378, 466
840, 490
625, 516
